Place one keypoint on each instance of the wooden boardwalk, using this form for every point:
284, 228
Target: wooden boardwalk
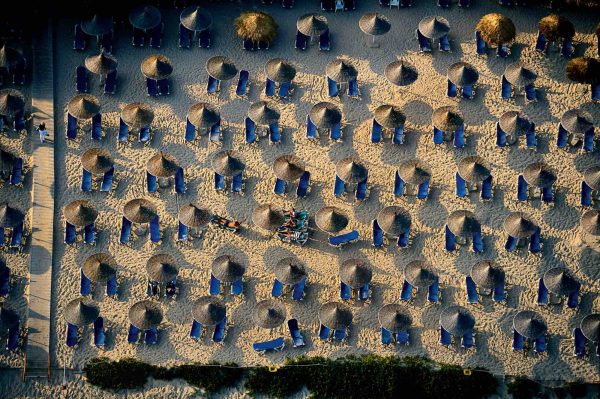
38, 351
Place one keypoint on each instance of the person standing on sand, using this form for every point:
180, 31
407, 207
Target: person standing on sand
43, 132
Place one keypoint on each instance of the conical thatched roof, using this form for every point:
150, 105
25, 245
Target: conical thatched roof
10, 57
280, 70
457, 320
515, 123
555, 26
389, 116
193, 216
97, 160
539, 174
529, 324
590, 326
203, 115
97, 25
10, 217
496, 29
145, 17
157, 67
434, 27
590, 222
487, 274
162, 165
584, 70
289, 271
312, 24
394, 317
335, 315
463, 223
195, 18
101, 64
560, 281
414, 171
341, 71
447, 118
226, 269
139, 210
145, 314
162, 268
374, 24
394, 220
80, 212
331, 219
473, 169
400, 73
83, 106
288, 167
8, 317
325, 115
420, 273
577, 121
519, 225
267, 217
256, 26
355, 273
269, 314
263, 113
221, 67
81, 311
591, 176
12, 102
100, 267
351, 170
209, 310
462, 74
137, 115
519, 75
227, 163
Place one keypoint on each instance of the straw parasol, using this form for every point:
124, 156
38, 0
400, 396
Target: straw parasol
389, 116
340, 71
420, 273
145, 17
226, 269
394, 317
269, 314
267, 217
8, 318
496, 29
394, 220
97, 160
100, 267
434, 27
462, 74
555, 26
145, 314
280, 70
193, 216
447, 118
577, 121
335, 315
331, 219
529, 324
263, 113
463, 223
137, 115
325, 115
590, 222
203, 115
101, 64
226, 163
351, 170
591, 176
414, 171
584, 70
12, 102
312, 24
10, 57
157, 67
257, 26
355, 273
515, 123
161, 268
374, 24
83, 106
560, 281
80, 213
519, 75
289, 271
81, 311
195, 19
473, 169
162, 165
400, 73
519, 225
590, 326
97, 25
288, 167
487, 274
457, 320
539, 174
139, 210
209, 310
9, 216
221, 67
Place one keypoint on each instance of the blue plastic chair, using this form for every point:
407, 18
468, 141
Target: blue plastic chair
477, 242
424, 43
376, 132
336, 132
530, 93
70, 233
573, 299
133, 335
97, 127
296, 335
588, 140
196, 330
467, 92
502, 51
184, 37
332, 87
398, 135
155, 236
540, 42
480, 44
280, 186
433, 291
17, 236
71, 127
530, 140
459, 137
156, 36
542, 293
498, 292
324, 41
444, 43
179, 181
214, 135
298, 290
423, 190
111, 286
472, 296
151, 87
324, 332
274, 133
566, 49
445, 337
212, 85
182, 232
511, 243
303, 185
595, 90
466, 340
204, 39
399, 185
500, 136
518, 341
269, 88
364, 292
284, 89
377, 234
79, 40
99, 335
163, 87
190, 131
107, 180
345, 291
586, 194
85, 285
86, 181
276, 344
535, 242
339, 335
89, 234
301, 41
547, 195
353, 88
540, 344
579, 342
277, 289
386, 336
438, 136
144, 135
12, 343
123, 131
344, 239
151, 183
506, 89
339, 187
311, 128
72, 335
521, 189
5, 282
402, 338
219, 333
237, 287
449, 240
151, 336
242, 85
451, 90
250, 129
486, 189
563, 137
406, 292
81, 82
215, 286
219, 182
361, 191
110, 84
125, 231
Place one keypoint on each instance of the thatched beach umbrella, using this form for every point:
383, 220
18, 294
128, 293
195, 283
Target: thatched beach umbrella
10, 58
195, 18
462, 74
463, 223
100, 267
269, 314
457, 320
325, 115
400, 73
203, 115
140, 210
519, 75
289, 271
447, 118
420, 273
97, 160
389, 116
312, 24
335, 315
590, 222
10, 217
414, 171
584, 70
560, 281
394, 317
80, 212
539, 174
97, 25
157, 67
162, 268
226, 269
263, 113
137, 115
331, 219
267, 217
394, 220
209, 310
83, 106
162, 165
280, 70
487, 274
519, 225
473, 169
529, 324
496, 29
193, 216
81, 311
8, 317
227, 163
257, 26
288, 167
145, 17
101, 64
221, 67
591, 176
145, 314
590, 326
12, 102
355, 273
515, 123
374, 24
555, 26
341, 71
350, 170
434, 27
577, 121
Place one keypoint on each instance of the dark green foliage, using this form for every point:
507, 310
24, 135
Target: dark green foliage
125, 373
523, 388
210, 377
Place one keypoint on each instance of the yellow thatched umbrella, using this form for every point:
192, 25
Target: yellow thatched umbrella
257, 26
496, 29
554, 27
584, 70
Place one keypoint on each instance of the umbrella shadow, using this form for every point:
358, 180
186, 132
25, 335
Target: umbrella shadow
561, 216
588, 263
552, 363
517, 159
432, 213
583, 161
418, 112
440, 60
482, 356
393, 154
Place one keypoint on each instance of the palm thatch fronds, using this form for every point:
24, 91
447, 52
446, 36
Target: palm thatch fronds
584, 70
555, 26
496, 29
256, 26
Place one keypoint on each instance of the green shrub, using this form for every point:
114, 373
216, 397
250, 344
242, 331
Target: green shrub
125, 373
212, 377
523, 388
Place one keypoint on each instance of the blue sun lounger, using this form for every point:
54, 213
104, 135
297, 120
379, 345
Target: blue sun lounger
270, 88
522, 193
81, 82
85, 285
406, 292
444, 43
332, 87
237, 287
301, 41
481, 45
518, 341
99, 334
467, 92
588, 140
335, 133
376, 132
79, 39
303, 185
151, 87
451, 89
151, 336
72, 335
573, 299
215, 286
97, 127
155, 236
339, 335
459, 137
562, 138
151, 183
506, 89
449, 240
386, 336
125, 231
296, 335
542, 293
377, 234
445, 337
472, 296
86, 181
477, 242
133, 335
212, 86
250, 130
511, 243
539, 345
184, 37
586, 194
71, 127
364, 292
242, 85
311, 128
339, 187
502, 51
144, 135
361, 191
284, 89
535, 241
324, 41
273, 345
343, 239
324, 332
164, 88
182, 232
298, 290
214, 135
110, 84
280, 186
424, 43
274, 133
345, 291
353, 88
486, 189
566, 49
403, 239
498, 293
530, 93
399, 185
541, 44
467, 341
123, 131
5, 282
398, 136
70, 233
179, 181
547, 195
501, 140
595, 90
219, 333
111, 287
219, 182
438, 136
16, 241
196, 330
107, 180
89, 234
579, 342
204, 38
156, 36
433, 291
138, 38
277, 290
12, 342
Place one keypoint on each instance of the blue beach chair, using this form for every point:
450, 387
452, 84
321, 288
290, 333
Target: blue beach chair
541, 44
155, 235
277, 289
298, 290
280, 186
156, 36
164, 88
332, 87
111, 287
81, 82
184, 37
144, 135
196, 330
522, 194
540, 344
219, 182
467, 341
151, 87
89, 234
276, 344
212, 86
399, 185
345, 291
588, 140
361, 191
573, 299
377, 234
376, 132
71, 127
406, 292
125, 235
123, 131
511, 243
530, 140
12, 342
296, 335
274, 133
270, 88
133, 335
386, 336
110, 84
451, 89
586, 194
503, 51
477, 242
107, 180
449, 240
151, 183
250, 130
324, 41
547, 195
311, 128
214, 135
242, 85
190, 131
5, 282
486, 189
339, 335
303, 185
535, 242
301, 41
530, 93
182, 232
353, 88
324, 332
215, 286
343, 239
364, 292
472, 296
542, 293
237, 287
151, 336
438, 136
99, 334
459, 137
398, 135
444, 43
445, 337
501, 140
518, 341
86, 181
70, 233
219, 333
179, 181
563, 137
72, 335
506, 89
579, 342
97, 127
138, 38
284, 89
85, 285
461, 186
335, 133
433, 291
480, 44
204, 39
339, 187
424, 43
79, 39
